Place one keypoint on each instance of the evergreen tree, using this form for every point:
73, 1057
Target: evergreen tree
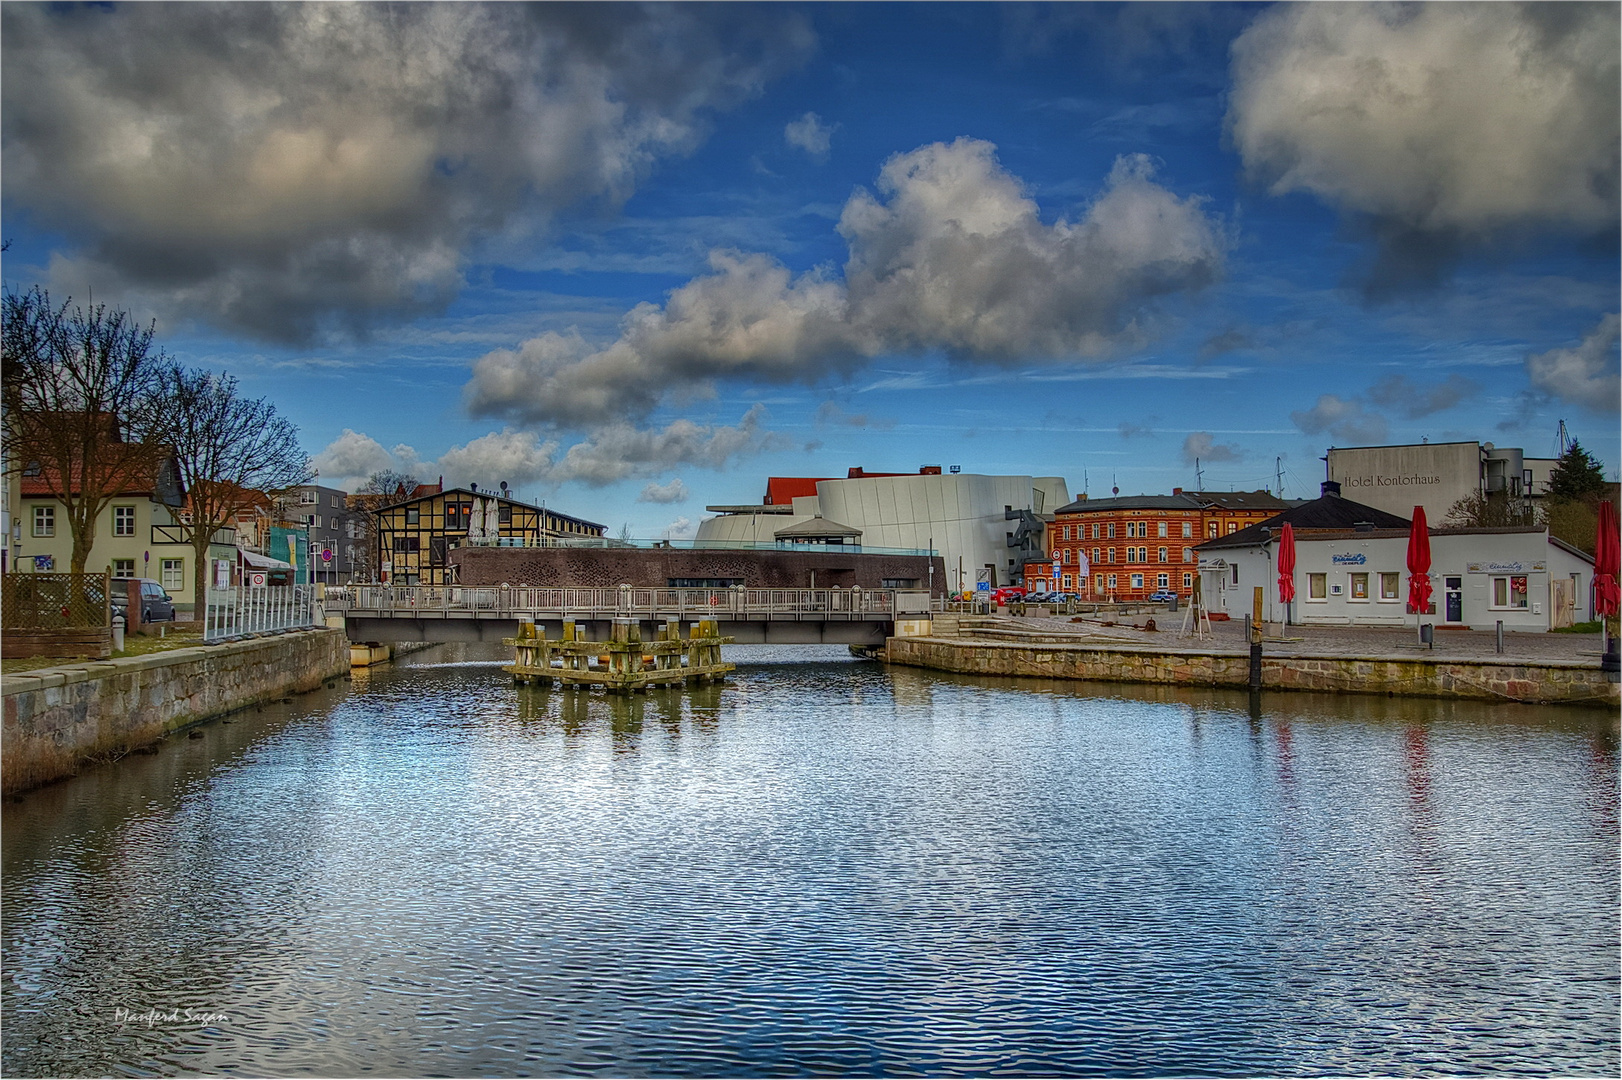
1577, 477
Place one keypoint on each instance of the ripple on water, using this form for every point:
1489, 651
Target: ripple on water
823, 866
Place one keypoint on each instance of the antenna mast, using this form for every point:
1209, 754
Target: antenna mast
1199, 480
1562, 440
1278, 477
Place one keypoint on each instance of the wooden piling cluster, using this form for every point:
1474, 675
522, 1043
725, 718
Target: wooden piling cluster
626, 662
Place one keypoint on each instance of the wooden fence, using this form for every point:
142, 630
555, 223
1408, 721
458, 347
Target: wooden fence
56, 615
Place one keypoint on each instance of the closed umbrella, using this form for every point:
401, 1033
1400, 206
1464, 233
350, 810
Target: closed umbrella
1607, 568
1419, 565
1607, 562
1286, 568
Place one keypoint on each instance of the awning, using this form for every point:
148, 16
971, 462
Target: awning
817, 528
263, 562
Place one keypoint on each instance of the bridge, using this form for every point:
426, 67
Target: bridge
853, 616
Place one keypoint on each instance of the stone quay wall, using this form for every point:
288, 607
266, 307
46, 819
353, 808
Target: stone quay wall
604, 568
58, 719
1546, 681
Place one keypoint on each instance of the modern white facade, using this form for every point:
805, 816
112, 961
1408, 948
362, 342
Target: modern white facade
1433, 475
964, 516
1523, 577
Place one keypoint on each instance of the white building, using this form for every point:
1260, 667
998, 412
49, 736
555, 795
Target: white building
1434, 475
985, 527
1521, 576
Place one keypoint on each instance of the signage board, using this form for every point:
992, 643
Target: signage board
1351, 558
1515, 566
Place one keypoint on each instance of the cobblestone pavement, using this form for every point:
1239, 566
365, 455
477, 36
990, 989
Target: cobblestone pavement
1331, 640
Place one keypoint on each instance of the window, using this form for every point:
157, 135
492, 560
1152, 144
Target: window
1111, 554
1162, 528
173, 574
1162, 554
436, 550
898, 583
1360, 586
1233, 527
1317, 586
337, 502
414, 515
1112, 581
506, 514
1067, 582
1388, 586
1137, 581
1188, 581
313, 521
44, 521
1211, 529
1112, 530
1096, 530
123, 568
1163, 581
704, 582
123, 521
1233, 574
1188, 530
1188, 554
1509, 592
308, 498
1095, 555
407, 543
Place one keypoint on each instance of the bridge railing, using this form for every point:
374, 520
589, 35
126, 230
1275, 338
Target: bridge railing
257, 609
624, 600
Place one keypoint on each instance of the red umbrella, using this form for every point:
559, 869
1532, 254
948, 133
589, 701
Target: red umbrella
1419, 563
1607, 562
1286, 564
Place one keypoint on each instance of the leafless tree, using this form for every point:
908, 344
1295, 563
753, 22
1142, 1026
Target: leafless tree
381, 488
227, 449
78, 394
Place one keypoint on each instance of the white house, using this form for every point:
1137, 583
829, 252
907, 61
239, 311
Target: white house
1523, 577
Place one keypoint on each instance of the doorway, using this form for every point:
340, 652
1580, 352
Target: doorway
1454, 590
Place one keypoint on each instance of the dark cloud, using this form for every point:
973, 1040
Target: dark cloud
1405, 397
293, 168
1346, 419
1202, 446
1230, 340
950, 254
1437, 129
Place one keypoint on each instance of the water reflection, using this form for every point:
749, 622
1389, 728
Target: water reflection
825, 866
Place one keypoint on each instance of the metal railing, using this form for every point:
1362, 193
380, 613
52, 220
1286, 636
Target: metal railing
257, 609
611, 542
501, 601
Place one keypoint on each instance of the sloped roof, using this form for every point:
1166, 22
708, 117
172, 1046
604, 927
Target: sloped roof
1328, 513
1129, 502
815, 527
1239, 500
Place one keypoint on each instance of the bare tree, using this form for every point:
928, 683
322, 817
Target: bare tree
381, 488
227, 448
77, 394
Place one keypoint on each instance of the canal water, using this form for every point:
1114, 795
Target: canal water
823, 866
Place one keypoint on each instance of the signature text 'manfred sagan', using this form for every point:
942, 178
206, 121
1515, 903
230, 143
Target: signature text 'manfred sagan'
154, 1017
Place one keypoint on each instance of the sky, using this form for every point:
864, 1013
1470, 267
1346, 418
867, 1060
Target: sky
633, 260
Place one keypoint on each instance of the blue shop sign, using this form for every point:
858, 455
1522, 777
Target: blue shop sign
1349, 559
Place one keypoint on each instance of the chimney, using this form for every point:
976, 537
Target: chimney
1176, 491
1331, 487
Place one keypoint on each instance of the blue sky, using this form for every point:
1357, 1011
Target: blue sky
635, 260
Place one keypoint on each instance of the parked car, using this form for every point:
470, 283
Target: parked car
1007, 595
156, 605
1162, 596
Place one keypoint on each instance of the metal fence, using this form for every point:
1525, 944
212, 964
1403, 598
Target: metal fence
737, 602
614, 543
257, 609
55, 601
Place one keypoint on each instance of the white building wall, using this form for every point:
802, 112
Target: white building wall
1398, 478
1463, 564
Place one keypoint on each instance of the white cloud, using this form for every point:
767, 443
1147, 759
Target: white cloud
952, 254
673, 492
1344, 418
1587, 374
293, 168
810, 134
1442, 123
608, 454
1203, 445
683, 528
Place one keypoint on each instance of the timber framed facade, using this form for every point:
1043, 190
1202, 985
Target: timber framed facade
415, 536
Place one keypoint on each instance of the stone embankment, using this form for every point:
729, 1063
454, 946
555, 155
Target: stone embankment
1003, 647
57, 719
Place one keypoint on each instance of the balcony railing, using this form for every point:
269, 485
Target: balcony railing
680, 545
